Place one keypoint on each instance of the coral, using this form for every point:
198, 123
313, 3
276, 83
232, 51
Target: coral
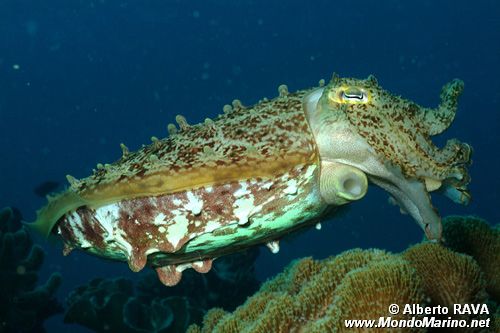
111, 306
210, 320
370, 291
98, 304
448, 277
119, 305
475, 237
496, 321
316, 296
23, 305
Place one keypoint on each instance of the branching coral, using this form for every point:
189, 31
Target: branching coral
23, 305
317, 296
106, 305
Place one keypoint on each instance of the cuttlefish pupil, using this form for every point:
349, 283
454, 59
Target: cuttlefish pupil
353, 93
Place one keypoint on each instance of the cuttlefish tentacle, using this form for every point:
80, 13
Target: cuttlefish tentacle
441, 164
437, 120
443, 169
454, 152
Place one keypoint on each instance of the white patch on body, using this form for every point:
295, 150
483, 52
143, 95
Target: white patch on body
267, 185
151, 251
182, 267
211, 226
153, 202
159, 219
194, 204
198, 264
242, 191
177, 230
243, 208
107, 216
291, 188
309, 171
75, 222
122, 243
274, 246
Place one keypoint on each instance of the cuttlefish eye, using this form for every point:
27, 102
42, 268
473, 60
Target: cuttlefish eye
353, 94
348, 95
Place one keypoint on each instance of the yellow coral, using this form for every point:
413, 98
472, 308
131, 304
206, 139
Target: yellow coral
297, 275
475, 237
448, 277
292, 278
367, 293
318, 293
209, 321
304, 293
195, 328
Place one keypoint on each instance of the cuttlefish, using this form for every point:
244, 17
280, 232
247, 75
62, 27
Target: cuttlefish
254, 174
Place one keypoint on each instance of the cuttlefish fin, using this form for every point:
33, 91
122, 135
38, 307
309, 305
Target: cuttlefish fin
439, 119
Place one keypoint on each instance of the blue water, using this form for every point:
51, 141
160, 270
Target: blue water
79, 77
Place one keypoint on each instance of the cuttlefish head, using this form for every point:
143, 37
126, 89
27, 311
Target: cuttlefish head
358, 126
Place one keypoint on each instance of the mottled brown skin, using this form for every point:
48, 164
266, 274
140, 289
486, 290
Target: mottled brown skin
398, 131
264, 140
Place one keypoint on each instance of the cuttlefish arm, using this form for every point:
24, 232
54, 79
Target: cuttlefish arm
413, 199
437, 120
357, 123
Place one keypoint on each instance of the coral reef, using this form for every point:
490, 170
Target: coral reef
474, 236
316, 296
120, 305
23, 305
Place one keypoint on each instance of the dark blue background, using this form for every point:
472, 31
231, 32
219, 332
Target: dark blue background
79, 77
